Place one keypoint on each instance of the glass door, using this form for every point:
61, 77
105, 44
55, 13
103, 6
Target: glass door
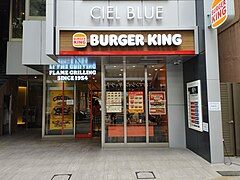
114, 118
136, 116
83, 109
59, 107
135, 102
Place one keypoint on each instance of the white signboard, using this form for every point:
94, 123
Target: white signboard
214, 106
194, 102
205, 127
114, 102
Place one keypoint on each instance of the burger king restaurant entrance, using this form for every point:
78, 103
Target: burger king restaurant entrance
121, 100
114, 85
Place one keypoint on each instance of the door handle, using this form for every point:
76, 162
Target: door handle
231, 122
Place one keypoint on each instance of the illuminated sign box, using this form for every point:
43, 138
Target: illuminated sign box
108, 43
73, 69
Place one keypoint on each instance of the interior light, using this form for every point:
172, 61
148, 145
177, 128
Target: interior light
149, 74
120, 74
114, 66
156, 69
121, 69
134, 66
35, 77
152, 66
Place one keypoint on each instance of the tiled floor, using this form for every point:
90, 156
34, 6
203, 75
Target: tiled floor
27, 156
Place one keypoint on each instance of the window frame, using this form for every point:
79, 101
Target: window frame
27, 13
11, 25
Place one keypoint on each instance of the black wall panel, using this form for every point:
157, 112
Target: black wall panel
198, 142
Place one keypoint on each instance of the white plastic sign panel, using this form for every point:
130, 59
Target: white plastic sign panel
214, 106
114, 102
205, 127
194, 102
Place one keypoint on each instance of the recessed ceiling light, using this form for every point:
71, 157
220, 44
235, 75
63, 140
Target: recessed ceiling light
35, 77
149, 74
134, 66
114, 66
152, 66
155, 69
93, 77
120, 74
161, 69
121, 69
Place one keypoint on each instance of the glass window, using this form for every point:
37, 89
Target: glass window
18, 15
59, 107
114, 121
37, 8
136, 118
157, 112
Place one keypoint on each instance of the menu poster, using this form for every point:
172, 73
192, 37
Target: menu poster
135, 102
114, 102
157, 103
194, 102
56, 110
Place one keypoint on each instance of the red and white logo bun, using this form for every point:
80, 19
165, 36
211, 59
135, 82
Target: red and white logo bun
79, 40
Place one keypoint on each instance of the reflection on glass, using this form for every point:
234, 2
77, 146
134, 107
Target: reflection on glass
158, 121
59, 108
114, 104
18, 15
83, 109
37, 8
136, 119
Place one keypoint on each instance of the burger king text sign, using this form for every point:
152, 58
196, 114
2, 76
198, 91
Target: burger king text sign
218, 13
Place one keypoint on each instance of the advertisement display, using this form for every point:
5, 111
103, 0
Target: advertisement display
194, 102
157, 103
135, 102
57, 110
114, 102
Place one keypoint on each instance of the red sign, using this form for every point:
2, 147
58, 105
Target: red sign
157, 103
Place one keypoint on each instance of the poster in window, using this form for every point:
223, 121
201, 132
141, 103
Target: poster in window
57, 110
114, 102
194, 102
135, 102
157, 103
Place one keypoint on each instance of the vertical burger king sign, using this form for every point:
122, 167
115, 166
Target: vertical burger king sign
79, 40
219, 13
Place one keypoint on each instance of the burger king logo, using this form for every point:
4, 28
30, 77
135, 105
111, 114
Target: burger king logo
79, 40
218, 13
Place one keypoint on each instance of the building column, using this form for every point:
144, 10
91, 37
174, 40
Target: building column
213, 88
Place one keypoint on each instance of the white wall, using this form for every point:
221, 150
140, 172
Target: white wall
34, 44
14, 60
75, 14
213, 90
175, 99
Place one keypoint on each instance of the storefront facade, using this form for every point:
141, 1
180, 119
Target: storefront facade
134, 73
